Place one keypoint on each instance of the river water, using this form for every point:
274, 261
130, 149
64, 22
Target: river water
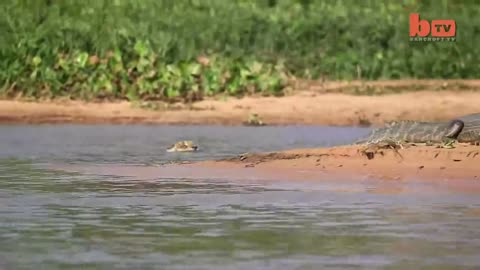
65, 220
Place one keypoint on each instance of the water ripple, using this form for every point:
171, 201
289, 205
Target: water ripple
55, 220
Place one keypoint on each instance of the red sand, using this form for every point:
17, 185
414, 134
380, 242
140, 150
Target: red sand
312, 103
455, 169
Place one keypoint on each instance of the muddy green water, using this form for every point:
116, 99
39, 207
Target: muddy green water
62, 220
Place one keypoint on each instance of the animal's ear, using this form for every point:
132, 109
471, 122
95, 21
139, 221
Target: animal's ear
391, 123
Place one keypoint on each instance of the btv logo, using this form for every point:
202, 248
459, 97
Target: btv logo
440, 30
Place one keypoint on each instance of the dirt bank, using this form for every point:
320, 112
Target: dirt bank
316, 103
388, 172
412, 162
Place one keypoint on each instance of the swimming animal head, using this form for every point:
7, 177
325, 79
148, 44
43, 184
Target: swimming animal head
183, 146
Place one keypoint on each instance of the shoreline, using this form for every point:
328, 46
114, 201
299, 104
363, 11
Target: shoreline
424, 163
316, 104
450, 169
411, 163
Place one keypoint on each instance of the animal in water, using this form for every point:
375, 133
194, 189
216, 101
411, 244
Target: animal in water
183, 146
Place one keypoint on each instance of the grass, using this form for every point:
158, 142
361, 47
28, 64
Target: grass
188, 49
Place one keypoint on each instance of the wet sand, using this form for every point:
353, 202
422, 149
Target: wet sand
314, 103
454, 169
412, 162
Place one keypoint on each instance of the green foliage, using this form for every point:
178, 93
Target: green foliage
141, 76
149, 49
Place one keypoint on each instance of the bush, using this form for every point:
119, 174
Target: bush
149, 49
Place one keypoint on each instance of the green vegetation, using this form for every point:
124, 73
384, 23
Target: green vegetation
186, 49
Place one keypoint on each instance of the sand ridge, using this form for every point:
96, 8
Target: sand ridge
392, 171
413, 162
315, 104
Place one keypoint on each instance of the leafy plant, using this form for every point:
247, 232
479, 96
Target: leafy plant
187, 50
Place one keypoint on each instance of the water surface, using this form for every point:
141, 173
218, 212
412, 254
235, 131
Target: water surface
61, 220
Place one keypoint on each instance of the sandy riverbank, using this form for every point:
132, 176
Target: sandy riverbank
412, 162
452, 169
316, 104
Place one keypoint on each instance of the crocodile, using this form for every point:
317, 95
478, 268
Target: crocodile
464, 129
